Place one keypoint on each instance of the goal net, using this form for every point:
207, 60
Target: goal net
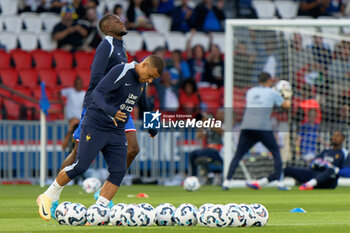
314, 56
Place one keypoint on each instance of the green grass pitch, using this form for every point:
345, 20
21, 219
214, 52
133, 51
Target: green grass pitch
327, 210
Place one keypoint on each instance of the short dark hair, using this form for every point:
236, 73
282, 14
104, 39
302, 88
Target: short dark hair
264, 77
102, 23
157, 62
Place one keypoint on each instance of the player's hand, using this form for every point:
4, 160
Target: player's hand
287, 94
120, 116
317, 163
152, 132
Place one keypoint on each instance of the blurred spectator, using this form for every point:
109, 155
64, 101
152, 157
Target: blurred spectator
212, 144
189, 99
182, 17
167, 94
313, 8
243, 63
79, 9
118, 10
321, 52
93, 4
300, 57
271, 65
34, 6
68, 33
94, 38
138, 16
75, 98
336, 8
244, 9
307, 137
208, 17
165, 7
196, 61
338, 71
214, 68
178, 68
55, 6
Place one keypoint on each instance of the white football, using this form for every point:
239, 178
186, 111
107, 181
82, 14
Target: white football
98, 214
61, 212
191, 183
216, 216
186, 215
164, 214
235, 214
201, 211
262, 215
76, 214
283, 85
115, 214
249, 214
149, 212
132, 216
91, 185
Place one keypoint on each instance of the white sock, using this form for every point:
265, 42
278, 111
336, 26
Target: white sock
312, 182
54, 191
103, 201
263, 181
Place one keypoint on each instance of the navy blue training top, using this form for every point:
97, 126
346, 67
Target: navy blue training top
336, 157
110, 52
120, 89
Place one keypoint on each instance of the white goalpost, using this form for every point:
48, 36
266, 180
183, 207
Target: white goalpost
313, 55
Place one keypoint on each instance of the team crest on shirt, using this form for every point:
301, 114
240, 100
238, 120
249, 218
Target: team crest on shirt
88, 137
337, 156
141, 89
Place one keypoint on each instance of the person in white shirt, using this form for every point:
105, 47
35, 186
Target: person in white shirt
75, 98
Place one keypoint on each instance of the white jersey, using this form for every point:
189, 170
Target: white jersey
260, 102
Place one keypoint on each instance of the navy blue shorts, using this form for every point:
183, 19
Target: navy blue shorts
113, 147
129, 126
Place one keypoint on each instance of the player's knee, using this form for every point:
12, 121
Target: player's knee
76, 170
116, 178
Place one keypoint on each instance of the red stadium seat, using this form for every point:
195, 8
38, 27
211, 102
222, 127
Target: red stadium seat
4, 93
12, 109
22, 59
29, 78
9, 77
130, 57
85, 76
5, 60
63, 59
42, 59
53, 92
49, 77
67, 77
140, 55
83, 60
24, 91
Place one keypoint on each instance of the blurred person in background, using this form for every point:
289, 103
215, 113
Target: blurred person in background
214, 68
189, 99
165, 6
308, 136
182, 17
118, 10
257, 127
79, 8
323, 170
167, 94
178, 68
313, 8
196, 60
138, 16
212, 145
208, 17
75, 98
69, 34
94, 37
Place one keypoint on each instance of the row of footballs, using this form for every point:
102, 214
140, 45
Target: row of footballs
229, 215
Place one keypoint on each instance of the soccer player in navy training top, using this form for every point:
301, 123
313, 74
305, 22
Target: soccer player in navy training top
256, 125
323, 170
110, 52
103, 129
